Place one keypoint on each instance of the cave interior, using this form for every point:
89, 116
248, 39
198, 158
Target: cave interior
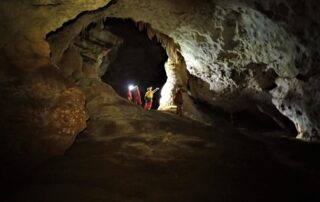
140, 61
247, 72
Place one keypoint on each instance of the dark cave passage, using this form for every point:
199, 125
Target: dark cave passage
140, 61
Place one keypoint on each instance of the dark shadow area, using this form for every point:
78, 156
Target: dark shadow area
254, 120
251, 119
140, 61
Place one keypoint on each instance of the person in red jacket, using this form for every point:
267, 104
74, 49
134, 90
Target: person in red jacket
134, 95
178, 101
137, 96
129, 94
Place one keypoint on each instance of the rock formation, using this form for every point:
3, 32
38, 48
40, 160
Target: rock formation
41, 111
240, 50
236, 54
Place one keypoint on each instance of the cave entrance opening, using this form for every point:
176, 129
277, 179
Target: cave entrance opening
139, 61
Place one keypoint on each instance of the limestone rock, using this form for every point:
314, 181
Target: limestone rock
41, 114
98, 49
41, 111
232, 51
110, 112
298, 101
231, 45
228, 48
71, 64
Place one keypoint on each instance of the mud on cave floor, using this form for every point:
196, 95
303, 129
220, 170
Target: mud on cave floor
175, 159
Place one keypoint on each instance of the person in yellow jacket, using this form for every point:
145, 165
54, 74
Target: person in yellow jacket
148, 97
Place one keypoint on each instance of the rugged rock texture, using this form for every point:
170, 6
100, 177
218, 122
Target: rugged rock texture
233, 54
41, 111
41, 115
231, 59
298, 101
172, 159
98, 48
225, 53
296, 97
234, 47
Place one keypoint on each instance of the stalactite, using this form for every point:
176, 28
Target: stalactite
101, 24
167, 43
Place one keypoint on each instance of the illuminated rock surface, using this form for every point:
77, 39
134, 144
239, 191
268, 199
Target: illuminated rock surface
232, 56
240, 52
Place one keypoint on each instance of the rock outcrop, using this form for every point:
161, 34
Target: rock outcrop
233, 54
241, 49
41, 111
296, 97
228, 54
40, 116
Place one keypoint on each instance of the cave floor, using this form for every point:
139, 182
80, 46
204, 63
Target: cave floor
175, 159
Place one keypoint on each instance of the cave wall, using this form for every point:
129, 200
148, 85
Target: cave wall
239, 64
41, 111
229, 47
242, 52
296, 97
